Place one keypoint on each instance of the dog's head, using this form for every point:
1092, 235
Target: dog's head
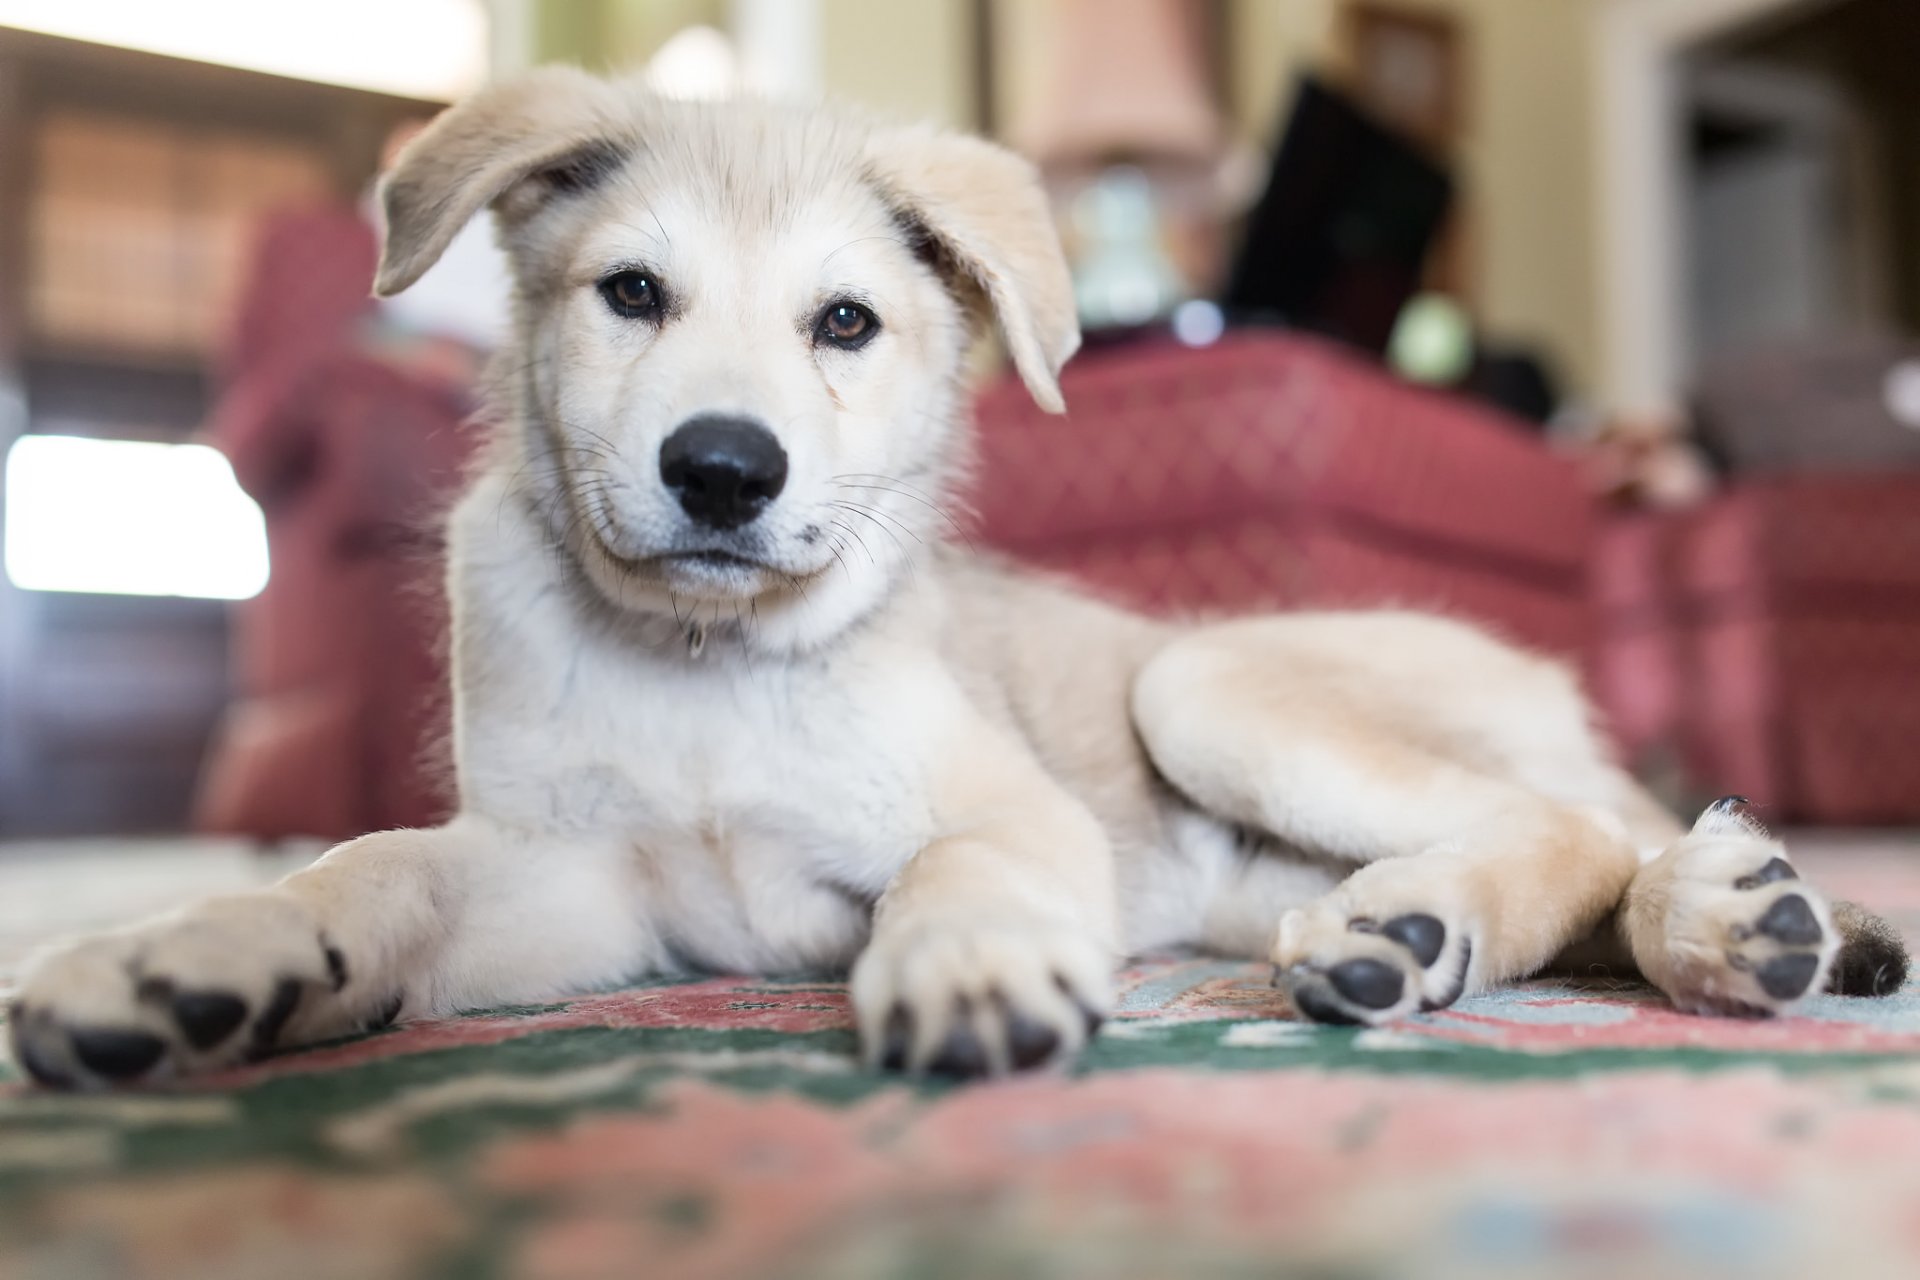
741, 330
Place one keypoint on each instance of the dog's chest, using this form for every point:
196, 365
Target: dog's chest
768, 808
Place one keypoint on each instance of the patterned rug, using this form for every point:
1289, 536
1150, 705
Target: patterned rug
721, 1129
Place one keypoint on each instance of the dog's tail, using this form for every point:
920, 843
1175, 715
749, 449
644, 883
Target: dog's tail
1873, 956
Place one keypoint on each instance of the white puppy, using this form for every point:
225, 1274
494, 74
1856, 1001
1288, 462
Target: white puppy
725, 696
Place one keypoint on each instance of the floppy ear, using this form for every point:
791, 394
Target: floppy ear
983, 211
552, 124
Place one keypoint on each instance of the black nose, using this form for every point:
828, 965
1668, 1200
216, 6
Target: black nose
725, 471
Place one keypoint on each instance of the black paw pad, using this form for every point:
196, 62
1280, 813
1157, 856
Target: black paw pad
336, 968
896, 1040
1371, 983
207, 1017
961, 1056
1029, 1043
1459, 987
1423, 935
388, 1012
1787, 977
1791, 922
1778, 869
117, 1055
273, 1019
1313, 1002
25, 1052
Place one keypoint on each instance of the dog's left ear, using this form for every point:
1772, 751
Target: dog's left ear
983, 211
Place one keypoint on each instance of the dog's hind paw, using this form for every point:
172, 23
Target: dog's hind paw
1722, 923
1384, 945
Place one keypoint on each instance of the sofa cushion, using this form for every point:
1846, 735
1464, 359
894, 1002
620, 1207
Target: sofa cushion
1274, 469
1819, 543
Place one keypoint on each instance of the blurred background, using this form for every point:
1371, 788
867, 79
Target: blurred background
1595, 320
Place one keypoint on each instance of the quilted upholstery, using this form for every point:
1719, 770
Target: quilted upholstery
1276, 470
339, 685
1802, 596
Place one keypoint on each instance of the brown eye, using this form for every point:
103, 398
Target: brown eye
632, 295
847, 325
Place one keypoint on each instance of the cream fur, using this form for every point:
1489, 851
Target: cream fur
873, 748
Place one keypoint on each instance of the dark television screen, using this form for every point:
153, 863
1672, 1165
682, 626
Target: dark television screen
1337, 242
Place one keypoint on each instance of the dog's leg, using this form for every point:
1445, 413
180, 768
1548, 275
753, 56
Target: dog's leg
994, 948
1466, 875
396, 925
1495, 901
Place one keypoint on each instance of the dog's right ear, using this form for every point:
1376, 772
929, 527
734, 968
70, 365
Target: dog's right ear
553, 125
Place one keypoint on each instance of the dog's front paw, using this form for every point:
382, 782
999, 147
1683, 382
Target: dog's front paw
205, 988
962, 997
1723, 924
1390, 941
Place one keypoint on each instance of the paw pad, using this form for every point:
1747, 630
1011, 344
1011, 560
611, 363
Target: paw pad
1790, 921
896, 1039
1788, 977
1311, 1001
1371, 986
1368, 982
1423, 935
1029, 1042
962, 1056
207, 1017
273, 1019
1778, 869
116, 1055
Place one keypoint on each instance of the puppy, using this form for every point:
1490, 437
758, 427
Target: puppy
727, 696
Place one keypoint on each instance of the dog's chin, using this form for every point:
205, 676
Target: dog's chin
692, 576
719, 575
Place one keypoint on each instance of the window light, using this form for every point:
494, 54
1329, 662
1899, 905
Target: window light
125, 517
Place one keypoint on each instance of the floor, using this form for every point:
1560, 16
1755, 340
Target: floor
720, 1128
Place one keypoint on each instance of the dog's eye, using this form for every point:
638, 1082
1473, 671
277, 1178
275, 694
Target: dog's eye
632, 294
847, 325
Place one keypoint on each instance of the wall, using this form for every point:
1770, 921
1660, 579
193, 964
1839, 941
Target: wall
1527, 153
911, 58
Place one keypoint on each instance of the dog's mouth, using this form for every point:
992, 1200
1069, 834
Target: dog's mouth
738, 569
722, 561
703, 567
700, 570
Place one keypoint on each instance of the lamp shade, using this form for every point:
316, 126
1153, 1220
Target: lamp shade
1126, 80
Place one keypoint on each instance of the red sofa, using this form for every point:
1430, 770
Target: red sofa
1773, 636
338, 711
1274, 470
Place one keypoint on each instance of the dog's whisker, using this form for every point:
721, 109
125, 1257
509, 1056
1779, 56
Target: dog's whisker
914, 497
874, 513
852, 533
905, 555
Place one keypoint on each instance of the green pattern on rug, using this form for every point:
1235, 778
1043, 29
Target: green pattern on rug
723, 1128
